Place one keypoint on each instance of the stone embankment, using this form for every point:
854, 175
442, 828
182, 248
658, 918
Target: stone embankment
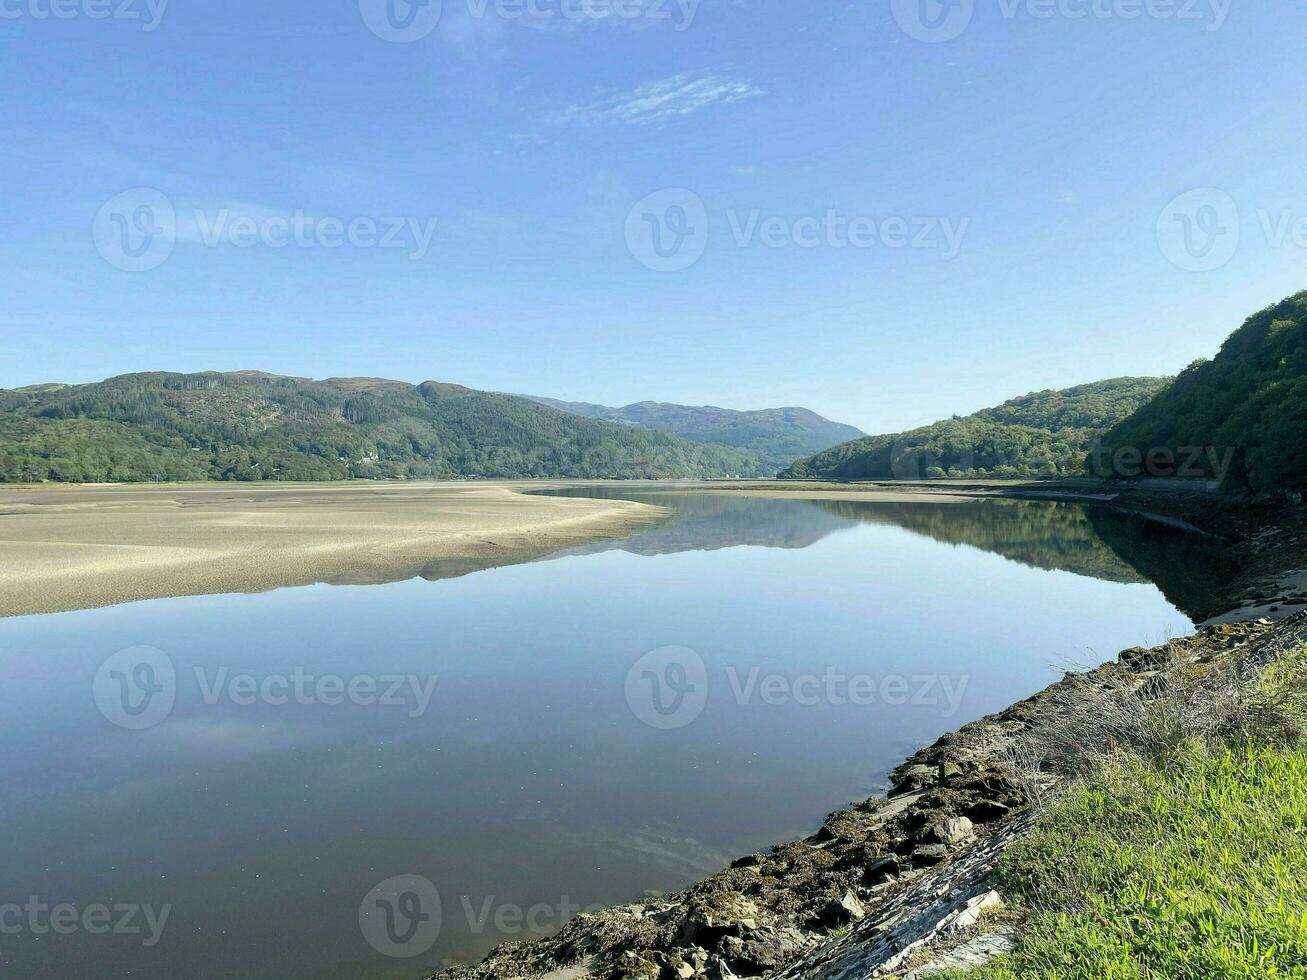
897, 886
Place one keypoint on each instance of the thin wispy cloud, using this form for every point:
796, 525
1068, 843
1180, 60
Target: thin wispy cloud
661, 101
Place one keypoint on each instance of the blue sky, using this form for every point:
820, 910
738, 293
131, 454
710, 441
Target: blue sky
738, 202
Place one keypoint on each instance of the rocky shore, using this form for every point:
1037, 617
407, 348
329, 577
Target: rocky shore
1265, 535
897, 886
900, 885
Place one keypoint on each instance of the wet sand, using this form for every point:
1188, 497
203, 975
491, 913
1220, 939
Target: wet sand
81, 547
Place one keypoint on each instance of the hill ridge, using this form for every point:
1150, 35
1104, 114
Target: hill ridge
775, 437
167, 426
1042, 434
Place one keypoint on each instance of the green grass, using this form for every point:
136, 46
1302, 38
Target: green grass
1194, 869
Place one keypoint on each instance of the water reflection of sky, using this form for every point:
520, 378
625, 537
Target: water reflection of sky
528, 779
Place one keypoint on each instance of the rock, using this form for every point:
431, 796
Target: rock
971, 954
633, 966
1137, 657
719, 969
987, 811
841, 911
953, 831
969, 916
768, 949
751, 861
881, 870
724, 914
731, 947
947, 770
929, 854
913, 778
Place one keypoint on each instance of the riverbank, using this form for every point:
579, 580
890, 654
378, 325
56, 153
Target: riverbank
66, 547
904, 884
81, 547
899, 885
1265, 537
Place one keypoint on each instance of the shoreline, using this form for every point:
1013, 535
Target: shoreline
897, 884
890, 886
888, 877
80, 546
68, 548
1267, 539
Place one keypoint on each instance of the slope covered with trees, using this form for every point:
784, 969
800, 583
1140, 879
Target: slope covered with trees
253, 426
1042, 435
774, 437
1240, 417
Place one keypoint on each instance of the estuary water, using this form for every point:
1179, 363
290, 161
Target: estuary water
373, 782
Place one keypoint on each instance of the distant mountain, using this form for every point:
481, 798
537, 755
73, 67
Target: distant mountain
255, 426
775, 437
1241, 416
1041, 435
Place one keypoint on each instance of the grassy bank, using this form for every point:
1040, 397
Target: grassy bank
1185, 860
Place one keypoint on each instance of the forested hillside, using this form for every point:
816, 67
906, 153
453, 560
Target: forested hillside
1042, 435
775, 437
253, 426
1241, 417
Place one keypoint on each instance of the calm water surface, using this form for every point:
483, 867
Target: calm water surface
541, 775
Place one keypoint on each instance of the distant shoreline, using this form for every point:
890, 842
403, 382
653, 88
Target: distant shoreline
65, 547
68, 547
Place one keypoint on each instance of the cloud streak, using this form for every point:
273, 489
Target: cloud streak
659, 102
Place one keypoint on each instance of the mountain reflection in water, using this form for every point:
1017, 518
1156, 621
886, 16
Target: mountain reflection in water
1084, 539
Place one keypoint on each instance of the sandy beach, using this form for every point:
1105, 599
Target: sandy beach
81, 547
